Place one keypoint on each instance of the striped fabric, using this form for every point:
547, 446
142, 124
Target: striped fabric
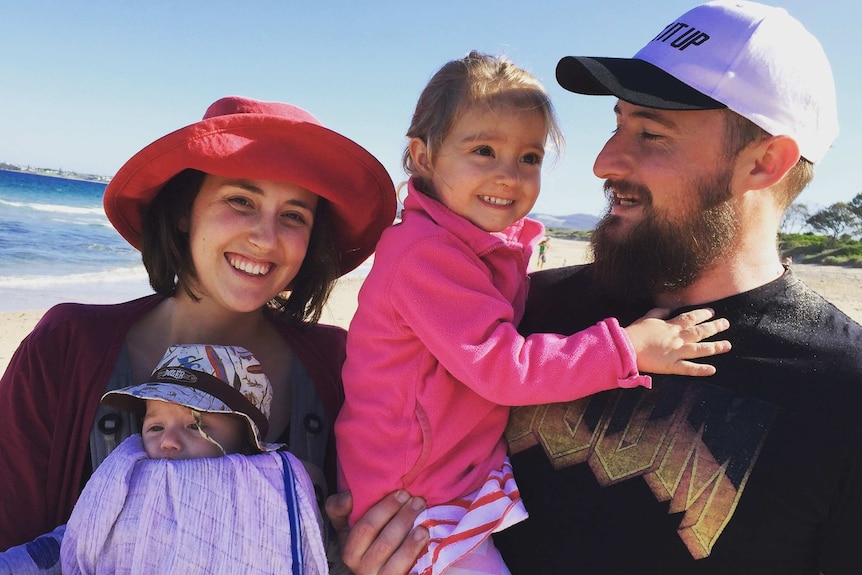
461, 529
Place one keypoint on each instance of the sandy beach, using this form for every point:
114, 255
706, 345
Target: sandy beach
841, 286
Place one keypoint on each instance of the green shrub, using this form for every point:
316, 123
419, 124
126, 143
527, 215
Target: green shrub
791, 241
812, 248
565, 234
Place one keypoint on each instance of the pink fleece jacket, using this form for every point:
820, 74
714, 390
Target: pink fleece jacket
434, 359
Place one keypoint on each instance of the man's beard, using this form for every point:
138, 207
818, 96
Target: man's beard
659, 254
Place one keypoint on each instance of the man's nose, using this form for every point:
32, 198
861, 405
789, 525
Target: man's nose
611, 162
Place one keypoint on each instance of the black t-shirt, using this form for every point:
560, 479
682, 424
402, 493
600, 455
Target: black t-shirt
757, 469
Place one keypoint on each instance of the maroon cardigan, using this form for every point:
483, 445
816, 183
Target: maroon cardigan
51, 390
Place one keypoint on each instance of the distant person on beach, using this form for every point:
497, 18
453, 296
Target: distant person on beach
134, 515
434, 360
720, 119
244, 221
544, 246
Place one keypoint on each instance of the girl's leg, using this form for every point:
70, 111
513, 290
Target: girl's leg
483, 560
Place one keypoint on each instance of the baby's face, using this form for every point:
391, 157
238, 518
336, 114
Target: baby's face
170, 431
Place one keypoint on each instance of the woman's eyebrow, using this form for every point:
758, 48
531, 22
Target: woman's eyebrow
251, 187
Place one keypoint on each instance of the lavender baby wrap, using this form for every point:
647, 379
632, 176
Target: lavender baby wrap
233, 514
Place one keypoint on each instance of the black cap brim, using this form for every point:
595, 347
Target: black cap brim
635, 81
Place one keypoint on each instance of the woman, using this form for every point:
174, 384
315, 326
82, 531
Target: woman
244, 220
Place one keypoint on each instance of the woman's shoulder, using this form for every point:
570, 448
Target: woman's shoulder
98, 317
321, 337
326, 334
87, 326
321, 349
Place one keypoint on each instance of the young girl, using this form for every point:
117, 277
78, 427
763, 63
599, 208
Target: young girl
136, 515
434, 359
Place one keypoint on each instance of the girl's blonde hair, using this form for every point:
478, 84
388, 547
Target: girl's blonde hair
476, 79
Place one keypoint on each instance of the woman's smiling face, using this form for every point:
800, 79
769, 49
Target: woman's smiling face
248, 239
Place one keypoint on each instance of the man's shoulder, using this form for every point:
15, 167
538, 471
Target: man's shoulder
566, 300
799, 308
558, 279
829, 333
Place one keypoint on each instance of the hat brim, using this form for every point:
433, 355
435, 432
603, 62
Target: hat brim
631, 80
267, 147
133, 398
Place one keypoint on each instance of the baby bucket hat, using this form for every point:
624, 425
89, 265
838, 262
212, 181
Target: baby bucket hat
209, 379
754, 59
244, 138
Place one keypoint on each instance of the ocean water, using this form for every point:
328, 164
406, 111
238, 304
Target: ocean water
56, 245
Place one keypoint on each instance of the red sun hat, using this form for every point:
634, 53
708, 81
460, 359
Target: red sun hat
243, 138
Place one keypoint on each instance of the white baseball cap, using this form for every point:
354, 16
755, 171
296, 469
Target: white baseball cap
754, 59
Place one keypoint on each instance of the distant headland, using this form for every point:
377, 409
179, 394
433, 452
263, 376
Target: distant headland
54, 173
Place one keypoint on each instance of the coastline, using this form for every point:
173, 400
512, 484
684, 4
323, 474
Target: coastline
841, 286
52, 173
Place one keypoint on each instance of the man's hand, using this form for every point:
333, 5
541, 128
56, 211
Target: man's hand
382, 542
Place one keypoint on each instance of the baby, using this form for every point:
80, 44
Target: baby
199, 490
201, 401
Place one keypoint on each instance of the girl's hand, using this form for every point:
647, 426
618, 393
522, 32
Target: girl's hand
665, 346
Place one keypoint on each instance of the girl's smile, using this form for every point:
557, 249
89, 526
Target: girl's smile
488, 167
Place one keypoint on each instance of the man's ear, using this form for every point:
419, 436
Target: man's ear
766, 162
419, 156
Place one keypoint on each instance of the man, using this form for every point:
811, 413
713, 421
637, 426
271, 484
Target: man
757, 469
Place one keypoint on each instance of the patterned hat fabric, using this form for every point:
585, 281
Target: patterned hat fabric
209, 379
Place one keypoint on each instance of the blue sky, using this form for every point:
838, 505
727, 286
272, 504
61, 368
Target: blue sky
84, 85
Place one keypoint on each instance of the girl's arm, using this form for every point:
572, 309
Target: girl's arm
38, 557
468, 325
